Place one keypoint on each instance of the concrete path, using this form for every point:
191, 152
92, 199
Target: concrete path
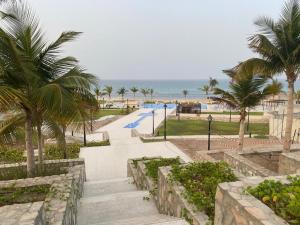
110, 198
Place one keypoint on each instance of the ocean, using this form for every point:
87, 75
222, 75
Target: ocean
169, 89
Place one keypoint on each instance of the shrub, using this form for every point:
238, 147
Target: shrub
98, 143
283, 199
11, 155
53, 152
153, 165
200, 181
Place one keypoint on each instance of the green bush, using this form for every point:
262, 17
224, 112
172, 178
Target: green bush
11, 155
283, 199
98, 143
200, 181
53, 152
153, 165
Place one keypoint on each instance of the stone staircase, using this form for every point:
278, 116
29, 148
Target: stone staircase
117, 202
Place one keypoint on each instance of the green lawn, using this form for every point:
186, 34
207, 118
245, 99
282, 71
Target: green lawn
233, 113
200, 127
107, 112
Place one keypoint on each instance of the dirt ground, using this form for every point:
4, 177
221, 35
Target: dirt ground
190, 146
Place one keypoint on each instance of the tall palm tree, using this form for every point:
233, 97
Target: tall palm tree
278, 44
108, 90
122, 91
34, 75
185, 93
243, 93
212, 83
205, 89
144, 92
134, 90
151, 92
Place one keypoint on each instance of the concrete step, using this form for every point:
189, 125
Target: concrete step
112, 207
108, 187
147, 220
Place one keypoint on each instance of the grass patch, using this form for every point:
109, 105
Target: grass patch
153, 165
200, 181
12, 195
107, 112
135, 161
200, 127
233, 113
53, 152
11, 154
283, 199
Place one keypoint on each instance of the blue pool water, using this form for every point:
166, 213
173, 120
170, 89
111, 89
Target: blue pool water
137, 122
159, 106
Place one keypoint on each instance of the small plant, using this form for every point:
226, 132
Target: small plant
283, 199
135, 161
200, 181
153, 165
11, 155
14, 195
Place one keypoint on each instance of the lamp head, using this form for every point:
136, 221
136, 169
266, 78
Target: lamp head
209, 118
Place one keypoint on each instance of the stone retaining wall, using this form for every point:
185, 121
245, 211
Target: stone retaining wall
234, 207
289, 163
60, 205
171, 202
48, 167
245, 166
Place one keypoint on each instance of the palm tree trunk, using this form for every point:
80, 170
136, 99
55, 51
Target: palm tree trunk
29, 145
289, 117
63, 143
40, 140
242, 131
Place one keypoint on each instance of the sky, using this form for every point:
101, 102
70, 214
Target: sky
156, 39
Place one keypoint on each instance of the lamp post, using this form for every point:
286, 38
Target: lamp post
165, 123
153, 112
209, 118
84, 134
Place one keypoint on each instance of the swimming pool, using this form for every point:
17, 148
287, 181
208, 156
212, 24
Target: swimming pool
137, 122
158, 106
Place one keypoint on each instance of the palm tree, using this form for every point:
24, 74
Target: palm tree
205, 89
108, 90
297, 95
151, 92
144, 92
97, 93
243, 93
278, 44
276, 88
212, 83
122, 91
40, 82
134, 90
185, 93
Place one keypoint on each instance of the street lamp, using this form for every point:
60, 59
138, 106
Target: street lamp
165, 122
153, 112
209, 118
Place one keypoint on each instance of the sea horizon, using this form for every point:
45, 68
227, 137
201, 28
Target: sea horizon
170, 89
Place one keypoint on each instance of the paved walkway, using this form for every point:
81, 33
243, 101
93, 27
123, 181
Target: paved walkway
110, 198
109, 162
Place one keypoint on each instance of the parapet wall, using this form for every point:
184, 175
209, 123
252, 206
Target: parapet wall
289, 163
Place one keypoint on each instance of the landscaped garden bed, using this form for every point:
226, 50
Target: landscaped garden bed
282, 198
257, 201
42, 200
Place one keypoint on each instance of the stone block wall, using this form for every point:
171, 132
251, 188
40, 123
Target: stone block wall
171, 202
289, 163
245, 166
234, 207
48, 167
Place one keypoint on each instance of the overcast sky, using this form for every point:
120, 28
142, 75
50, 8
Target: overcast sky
156, 39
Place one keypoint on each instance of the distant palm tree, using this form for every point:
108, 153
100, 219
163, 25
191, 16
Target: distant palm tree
245, 92
276, 88
185, 93
297, 95
122, 91
205, 89
151, 92
134, 90
108, 90
144, 92
212, 83
278, 45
